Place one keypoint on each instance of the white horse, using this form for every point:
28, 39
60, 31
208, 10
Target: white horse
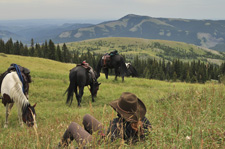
12, 92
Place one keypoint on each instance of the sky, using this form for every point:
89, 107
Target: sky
110, 9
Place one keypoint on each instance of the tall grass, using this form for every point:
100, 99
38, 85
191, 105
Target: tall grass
182, 115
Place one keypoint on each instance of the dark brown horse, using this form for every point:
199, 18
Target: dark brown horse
112, 62
80, 77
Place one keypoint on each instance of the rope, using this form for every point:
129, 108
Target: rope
20, 76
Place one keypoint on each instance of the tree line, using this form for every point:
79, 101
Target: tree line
195, 71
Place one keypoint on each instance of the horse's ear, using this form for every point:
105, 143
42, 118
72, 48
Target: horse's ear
35, 105
99, 83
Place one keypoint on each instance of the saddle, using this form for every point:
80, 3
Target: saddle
115, 52
106, 60
85, 65
89, 70
25, 75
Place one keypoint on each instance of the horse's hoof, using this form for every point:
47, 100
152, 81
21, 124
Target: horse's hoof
5, 126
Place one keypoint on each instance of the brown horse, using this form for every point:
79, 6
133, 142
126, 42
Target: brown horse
113, 62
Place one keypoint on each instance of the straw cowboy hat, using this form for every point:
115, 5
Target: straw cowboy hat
131, 108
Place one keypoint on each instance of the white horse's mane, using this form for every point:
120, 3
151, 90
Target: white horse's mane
18, 96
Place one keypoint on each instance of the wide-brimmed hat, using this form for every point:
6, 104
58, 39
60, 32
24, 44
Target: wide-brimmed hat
131, 108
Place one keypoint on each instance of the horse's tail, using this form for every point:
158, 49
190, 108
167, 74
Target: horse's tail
69, 92
123, 66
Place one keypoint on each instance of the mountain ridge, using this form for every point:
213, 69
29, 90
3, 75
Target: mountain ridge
206, 33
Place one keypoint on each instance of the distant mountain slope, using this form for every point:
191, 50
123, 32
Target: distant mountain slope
147, 48
45, 32
6, 35
206, 33
39, 32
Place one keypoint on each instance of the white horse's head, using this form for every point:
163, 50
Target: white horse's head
29, 115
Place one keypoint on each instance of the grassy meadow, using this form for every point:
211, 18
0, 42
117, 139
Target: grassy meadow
182, 115
146, 48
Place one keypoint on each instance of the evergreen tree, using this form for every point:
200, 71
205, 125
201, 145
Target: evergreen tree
31, 52
38, 51
59, 54
52, 53
9, 46
66, 53
16, 48
45, 50
188, 79
26, 51
174, 76
2, 46
76, 58
21, 48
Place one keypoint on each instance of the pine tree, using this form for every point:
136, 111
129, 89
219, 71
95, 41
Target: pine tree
2, 46
45, 49
76, 58
59, 54
52, 53
21, 48
26, 51
174, 76
9, 46
38, 51
188, 79
66, 54
31, 51
16, 48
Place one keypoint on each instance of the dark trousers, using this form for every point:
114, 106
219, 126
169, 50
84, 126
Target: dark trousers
82, 135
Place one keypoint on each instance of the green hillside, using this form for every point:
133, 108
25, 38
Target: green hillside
182, 115
144, 48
